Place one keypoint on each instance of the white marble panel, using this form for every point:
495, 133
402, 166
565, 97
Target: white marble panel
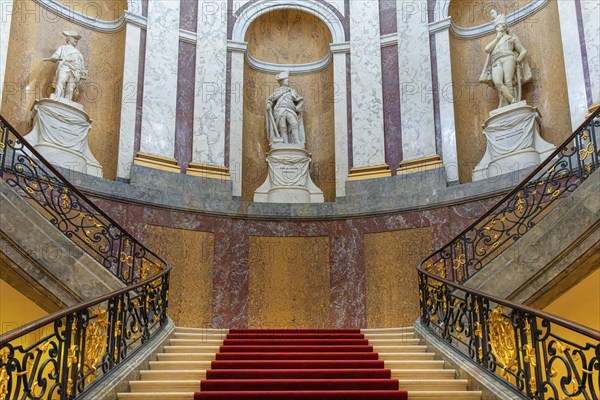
6, 11
340, 110
448, 129
367, 92
160, 81
573, 63
236, 121
590, 10
416, 90
211, 70
129, 101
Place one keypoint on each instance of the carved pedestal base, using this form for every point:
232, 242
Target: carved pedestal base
60, 135
289, 179
513, 141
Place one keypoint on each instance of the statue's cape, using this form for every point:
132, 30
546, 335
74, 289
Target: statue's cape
272, 129
486, 74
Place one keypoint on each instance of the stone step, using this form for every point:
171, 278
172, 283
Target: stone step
414, 364
406, 356
400, 349
186, 356
164, 386
427, 374
435, 395
192, 349
429, 385
179, 365
159, 375
400, 335
155, 396
388, 330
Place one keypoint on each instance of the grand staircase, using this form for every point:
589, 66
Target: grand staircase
372, 364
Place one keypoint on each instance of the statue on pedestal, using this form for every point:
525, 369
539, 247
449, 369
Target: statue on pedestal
285, 123
289, 178
505, 67
60, 125
513, 129
71, 67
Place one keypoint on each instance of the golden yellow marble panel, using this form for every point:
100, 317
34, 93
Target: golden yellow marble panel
191, 255
317, 90
288, 37
391, 259
289, 282
547, 91
104, 10
469, 13
29, 78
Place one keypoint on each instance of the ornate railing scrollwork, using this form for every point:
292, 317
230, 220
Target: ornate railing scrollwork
64, 354
537, 355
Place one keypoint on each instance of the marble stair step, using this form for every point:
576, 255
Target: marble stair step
180, 365
192, 349
430, 385
160, 375
394, 342
186, 356
400, 349
155, 396
195, 342
181, 329
427, 374
414, 364
388, 330
438, 395
401, 335
169, 386
406, 356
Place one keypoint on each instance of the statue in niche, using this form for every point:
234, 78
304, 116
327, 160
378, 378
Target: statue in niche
285, 123
505, 67
71, 68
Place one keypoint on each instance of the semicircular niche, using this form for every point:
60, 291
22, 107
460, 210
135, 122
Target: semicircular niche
285, 39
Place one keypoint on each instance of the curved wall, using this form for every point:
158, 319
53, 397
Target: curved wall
289, 37
103, 10
547, 91
35, 34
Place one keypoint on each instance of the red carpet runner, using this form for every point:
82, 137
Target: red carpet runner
299, 365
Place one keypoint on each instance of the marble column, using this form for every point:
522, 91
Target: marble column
446, 100
367, 93
160, 83
236, 119
211, 73
340, 120
573, 62
416, 90
6, 11
590, 12
129, 101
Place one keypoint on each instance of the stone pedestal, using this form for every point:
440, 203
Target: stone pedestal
289, 179
513, 141
60, 135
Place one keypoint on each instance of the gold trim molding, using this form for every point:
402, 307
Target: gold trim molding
157, 162
593, 109
209, 171
420, 165
363, 173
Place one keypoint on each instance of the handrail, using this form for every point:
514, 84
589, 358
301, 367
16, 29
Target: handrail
73, 349
534, 353
69, 209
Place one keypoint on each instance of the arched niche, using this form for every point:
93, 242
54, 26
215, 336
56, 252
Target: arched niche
540, 34
289, 39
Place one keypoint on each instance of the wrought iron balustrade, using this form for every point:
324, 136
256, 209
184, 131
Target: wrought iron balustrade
537, 355
22, 168
65, 354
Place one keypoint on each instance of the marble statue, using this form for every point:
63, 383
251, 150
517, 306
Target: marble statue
285, 123
505, 67
61, 126
71, 67
289, 162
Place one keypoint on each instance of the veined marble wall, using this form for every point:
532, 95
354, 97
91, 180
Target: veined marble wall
548, 90
35, 34
239, 273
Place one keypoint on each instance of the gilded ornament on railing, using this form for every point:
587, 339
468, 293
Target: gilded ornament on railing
4, 378
502, 340
71, 360
95, 342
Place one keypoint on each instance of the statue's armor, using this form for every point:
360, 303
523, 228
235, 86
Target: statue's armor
71, 60
283, 98
504, 48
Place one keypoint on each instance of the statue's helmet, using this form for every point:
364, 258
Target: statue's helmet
72, 34
498, 18
282, 75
